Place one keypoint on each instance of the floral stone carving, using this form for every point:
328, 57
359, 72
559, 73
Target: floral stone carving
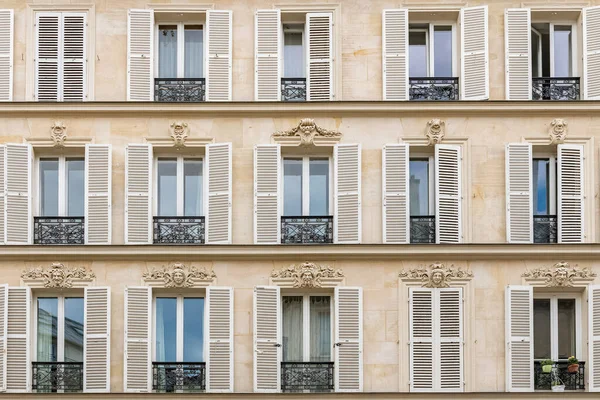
560, 274
177, 275
179, 133
58, 276
58, 134
436, 275
558, 130
307, 130
307, 274
435, 132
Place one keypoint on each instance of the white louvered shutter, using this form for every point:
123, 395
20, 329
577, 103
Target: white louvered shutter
395, 54
18, 351
474, 71
218, 221
519, 206
591, 53
6, 54
138, 189
3, 331
267, 339
421, 333
219, 325
396, 207
347, 218
138, 342
18, 194
267, 68
98, 174
96, 350
218, 59
448, 194
267, 191
348, 339
594, 338
47, 57
570, 193
140, 52
450, 348
74, 57
519, 338
517, 41
2, 194
319, 50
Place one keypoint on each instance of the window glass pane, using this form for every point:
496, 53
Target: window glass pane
49, 187
167, 187
293, 53
292, 187
419, 187
566, 328
541, 186
319, 187
535, 54
417, 54
320, 328
192, 182
193, 50
541, 329
167, 51
47, 329
75, 188
442, 51
292, 328
193, 329
166, 329
74, 329
562, 51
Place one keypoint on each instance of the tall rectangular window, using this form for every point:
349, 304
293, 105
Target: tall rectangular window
59, 329
180, 50
431, 50
293, 51
306, 328
563, 51
442, 51
555, 326
420, 187
179, 187
167, 187
418, 57
306, 185
544, 186
61, 187
552, 50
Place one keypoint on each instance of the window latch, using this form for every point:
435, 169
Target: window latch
277, 344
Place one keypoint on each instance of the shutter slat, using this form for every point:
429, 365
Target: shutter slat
47, 59
347, 218
6, 54
267, 57
96, 373
138, 181
517, 37
348, 338
138, 303
570, 193
395, 54
74, 57
448, 194
319, 52
594, 338
396, 211
98, 173
2, 193
519, 335
267, 333
218, 222
474, 77
591, 52
267, 178
218, 76
18, 356
18, 194
519, 212
219, 374
140, 73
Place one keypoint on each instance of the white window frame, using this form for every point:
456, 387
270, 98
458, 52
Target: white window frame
180, 47
429, 44
180, 183
62, 183
306, 182
304, 48
552, 178
574, 52
431, 177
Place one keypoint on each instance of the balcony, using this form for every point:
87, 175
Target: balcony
58, 230
298, 377
62, 377
544, 228
307, 230
571, 380
179, 90
433, 89
178, 377
555, 88
422, 229
293, 89
178, 230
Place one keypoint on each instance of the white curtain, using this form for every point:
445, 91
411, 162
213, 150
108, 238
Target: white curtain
320, 328
292, 328
167, 51
193, 49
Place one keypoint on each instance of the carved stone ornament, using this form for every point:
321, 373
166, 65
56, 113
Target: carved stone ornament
436, 129
558, 130
436, 275
177, 275
58, 134
307, 130
559, 275
307, 274
179, 133
58, 276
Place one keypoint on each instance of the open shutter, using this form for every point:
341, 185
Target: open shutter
421, 339
347, 218
570, 193
474, 68
396, 210
98, 173
74, 57
519, 338
18, 194
591, 53
219, 325
140, 74
519, 214
348, 339
319, 50
218, 60
517, 41
450, 349
594, 337
267, 67
6, 54
138, 201
218, 165
138, 342
267, 337
96, 357
47, 57
3, 331
18, 356
2, 194
395, 54
267, 178
448, 194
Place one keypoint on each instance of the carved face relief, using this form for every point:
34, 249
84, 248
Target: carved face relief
558, 130
58, 134
437, 277
178, 277
435, 131
58, 276
561, 276
179, 133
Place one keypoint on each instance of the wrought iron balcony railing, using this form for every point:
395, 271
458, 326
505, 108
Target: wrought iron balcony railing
571, 380
555, 88
422, 229
57, 376
307, 230
58, 230
428, 89
178, 377
293, 89
179, 90
307, 377
544, 228
178, 230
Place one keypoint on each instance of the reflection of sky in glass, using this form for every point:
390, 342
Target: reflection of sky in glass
193, 329
292, 187
419, 187
166, 329
47, 329
192, 188
442, 51
562, 51
319, 187
75, 188
74, 329
417, 56
293, 57
540, 186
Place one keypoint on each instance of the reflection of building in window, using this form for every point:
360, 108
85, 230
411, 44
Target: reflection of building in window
59, 339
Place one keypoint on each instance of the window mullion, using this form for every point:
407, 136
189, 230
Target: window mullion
554, 328
60, 356
430, 55
552, 50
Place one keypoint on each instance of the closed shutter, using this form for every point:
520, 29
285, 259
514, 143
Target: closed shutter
267, 178
319, 50
18, 194
396, 210
47, 57
267, 67
3, 331
519, 214
421, 334
570, 193
138, 303
2, 194
448, 194
218, 165
395, 54
218, 60
140, 72
96, 373
74, 57
474, 71
347, 218
98, 173
6, 54
348, 339
519, 338
517, 41
219, 325
138, 182
594, 337
450, 347
591, 53
18, 356
267, 337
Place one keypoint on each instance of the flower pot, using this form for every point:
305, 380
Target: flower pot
572, 368
558, 388
547, 368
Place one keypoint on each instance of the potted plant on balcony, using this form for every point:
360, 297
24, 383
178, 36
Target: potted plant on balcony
547, 365
573, 366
